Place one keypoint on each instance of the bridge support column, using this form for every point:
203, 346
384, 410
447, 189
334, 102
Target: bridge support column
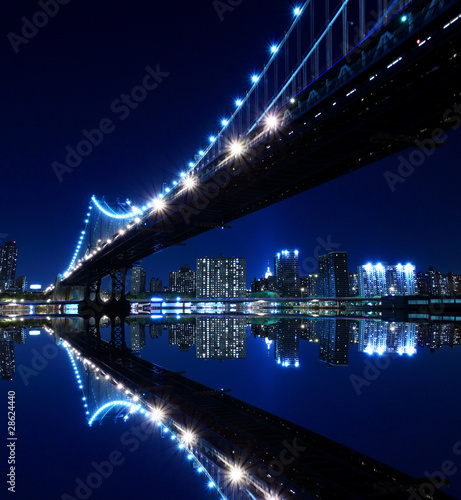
93, 332
117, 333
91, 305
118, 284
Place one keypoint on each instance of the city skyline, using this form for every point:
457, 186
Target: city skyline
137, 128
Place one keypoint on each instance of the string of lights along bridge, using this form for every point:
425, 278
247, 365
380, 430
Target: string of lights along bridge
278, 139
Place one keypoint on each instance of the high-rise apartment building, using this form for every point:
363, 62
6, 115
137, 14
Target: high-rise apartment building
221, 338
7, 363
334, 341
309, 285
221, 277
156, 285
381, 280
138, 280
334, 277
286, 351
287, 273
21, 283
8, 260
182, 281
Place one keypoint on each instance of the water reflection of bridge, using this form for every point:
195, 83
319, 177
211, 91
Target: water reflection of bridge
244, 451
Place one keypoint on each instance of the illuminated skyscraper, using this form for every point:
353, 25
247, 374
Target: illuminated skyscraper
138, 280
138, 336
156, 285
221, 277
286, 350
309, 285
8, 260
7, 363
353, 284
221, 338
21, 283
334, 278
380, 280
287, 273
334, 341
383, 337
182, 335
182, 281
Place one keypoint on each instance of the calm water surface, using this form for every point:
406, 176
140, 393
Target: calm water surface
389, 390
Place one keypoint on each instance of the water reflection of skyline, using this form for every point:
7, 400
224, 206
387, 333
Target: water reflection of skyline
225, 337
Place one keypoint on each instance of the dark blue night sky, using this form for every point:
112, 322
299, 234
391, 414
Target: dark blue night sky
69, 76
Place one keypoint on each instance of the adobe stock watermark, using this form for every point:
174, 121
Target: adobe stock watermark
286, 457
311, 264
220, 180
425, 149
30, 28
39, 362
372, 370
223, 7
131, 441
356, 47
121, 109
436, 479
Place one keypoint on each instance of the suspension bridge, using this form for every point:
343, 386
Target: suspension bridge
350, 82
243, 452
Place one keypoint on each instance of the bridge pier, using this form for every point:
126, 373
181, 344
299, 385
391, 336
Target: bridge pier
93, 305
117, 333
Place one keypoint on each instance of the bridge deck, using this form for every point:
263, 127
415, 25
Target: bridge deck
331, 132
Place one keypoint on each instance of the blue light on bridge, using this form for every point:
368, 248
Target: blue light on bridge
274, 49
238, 102
254, 78
404, 18
297, 11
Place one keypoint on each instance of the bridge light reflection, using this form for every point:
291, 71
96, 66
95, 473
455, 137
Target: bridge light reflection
157, 414
188, 437
236, 474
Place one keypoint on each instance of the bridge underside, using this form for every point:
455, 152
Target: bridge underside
366, 109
